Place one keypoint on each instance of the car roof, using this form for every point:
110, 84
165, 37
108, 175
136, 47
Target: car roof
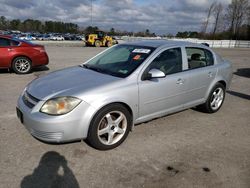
160, 43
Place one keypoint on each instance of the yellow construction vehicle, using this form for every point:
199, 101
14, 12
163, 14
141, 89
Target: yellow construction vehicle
99, 39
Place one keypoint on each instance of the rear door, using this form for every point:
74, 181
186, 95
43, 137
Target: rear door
200, 72
159, 96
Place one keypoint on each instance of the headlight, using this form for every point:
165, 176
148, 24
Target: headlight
60, 105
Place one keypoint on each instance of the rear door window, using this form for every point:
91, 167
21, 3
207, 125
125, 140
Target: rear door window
4, 42
199, 57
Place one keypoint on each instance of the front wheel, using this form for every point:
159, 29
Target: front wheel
215, 99
110, 127
97, 43
109, 44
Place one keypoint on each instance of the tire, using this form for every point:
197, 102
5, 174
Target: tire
97, 43
214, 100
108, 44
104, 133
21, 65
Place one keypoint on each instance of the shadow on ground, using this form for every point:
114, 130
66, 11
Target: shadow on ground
237, 94
34, 70
52, 171
244, 72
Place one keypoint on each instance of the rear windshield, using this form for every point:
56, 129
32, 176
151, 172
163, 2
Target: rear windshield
20, 40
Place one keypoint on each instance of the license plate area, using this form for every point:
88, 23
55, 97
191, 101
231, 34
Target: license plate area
19, 115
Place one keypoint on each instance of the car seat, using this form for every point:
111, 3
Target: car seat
196, 61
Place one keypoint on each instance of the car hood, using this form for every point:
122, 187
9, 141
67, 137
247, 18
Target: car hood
68, 82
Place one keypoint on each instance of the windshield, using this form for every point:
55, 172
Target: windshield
120, 60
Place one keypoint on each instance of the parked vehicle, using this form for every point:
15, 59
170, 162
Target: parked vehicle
126, 84
57, 37
43, 37
99, 39
21, 55
72, 37
26, 37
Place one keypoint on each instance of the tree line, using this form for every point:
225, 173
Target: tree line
231, 22
30, 25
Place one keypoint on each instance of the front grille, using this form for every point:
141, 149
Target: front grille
50, 136
29, 100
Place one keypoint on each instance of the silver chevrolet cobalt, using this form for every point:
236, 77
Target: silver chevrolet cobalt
126, 84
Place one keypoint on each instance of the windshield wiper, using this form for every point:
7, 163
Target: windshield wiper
84, 66
92, 68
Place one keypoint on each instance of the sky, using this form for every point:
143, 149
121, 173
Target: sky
159, 16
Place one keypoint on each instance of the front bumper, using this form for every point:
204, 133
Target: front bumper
71, 126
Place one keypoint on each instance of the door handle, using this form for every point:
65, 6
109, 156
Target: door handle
210, 74
10, 49
180, 81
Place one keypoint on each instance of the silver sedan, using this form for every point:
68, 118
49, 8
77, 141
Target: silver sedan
126, 84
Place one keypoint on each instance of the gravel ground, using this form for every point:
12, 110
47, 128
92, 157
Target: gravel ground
186, 149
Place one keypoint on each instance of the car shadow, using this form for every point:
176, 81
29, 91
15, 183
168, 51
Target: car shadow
52, 171
39, 69
237, 94
244, 72
34, 70
4, 71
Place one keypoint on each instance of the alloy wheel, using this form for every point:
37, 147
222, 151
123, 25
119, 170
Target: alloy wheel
112, 128
217, 98
22, 65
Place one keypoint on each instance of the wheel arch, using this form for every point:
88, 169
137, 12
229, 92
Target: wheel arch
112, 103
218, 80
223, 83
104, 106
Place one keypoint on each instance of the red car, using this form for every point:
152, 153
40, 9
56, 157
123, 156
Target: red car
20, 55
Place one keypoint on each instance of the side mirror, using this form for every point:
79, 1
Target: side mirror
156, 73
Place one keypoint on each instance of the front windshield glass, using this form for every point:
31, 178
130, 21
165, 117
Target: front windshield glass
120, 60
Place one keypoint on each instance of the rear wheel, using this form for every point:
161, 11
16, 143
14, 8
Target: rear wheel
215, 99
97, 43
21, 65
110, 127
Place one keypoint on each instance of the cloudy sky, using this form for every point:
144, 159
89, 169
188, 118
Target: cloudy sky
159, 16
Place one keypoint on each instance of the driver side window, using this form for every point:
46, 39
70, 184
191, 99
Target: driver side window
169, 61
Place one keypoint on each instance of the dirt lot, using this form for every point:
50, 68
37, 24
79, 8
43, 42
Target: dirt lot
186, 149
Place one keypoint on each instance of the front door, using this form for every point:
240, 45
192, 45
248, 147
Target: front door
159, 96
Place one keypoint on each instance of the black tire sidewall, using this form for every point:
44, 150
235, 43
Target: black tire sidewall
14, 67
109, 44
93, 139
